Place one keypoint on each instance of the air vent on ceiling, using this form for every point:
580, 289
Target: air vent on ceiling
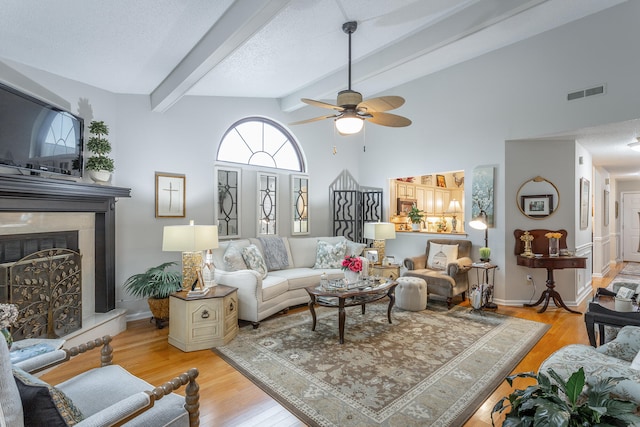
597, 90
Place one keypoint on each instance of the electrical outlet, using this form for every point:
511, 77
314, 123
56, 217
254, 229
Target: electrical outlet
529, 278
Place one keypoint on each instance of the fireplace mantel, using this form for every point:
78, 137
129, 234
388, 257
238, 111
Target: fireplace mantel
19, 193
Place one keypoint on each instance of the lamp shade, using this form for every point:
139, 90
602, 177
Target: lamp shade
379, 230
454, 207
349, 123
189, 238
479, 222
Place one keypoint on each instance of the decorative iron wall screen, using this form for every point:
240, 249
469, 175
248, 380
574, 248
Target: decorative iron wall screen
352, 208
47, 288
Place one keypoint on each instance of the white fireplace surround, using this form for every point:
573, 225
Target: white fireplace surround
93, 324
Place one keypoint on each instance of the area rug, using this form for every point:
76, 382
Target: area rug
631, 268
428, 368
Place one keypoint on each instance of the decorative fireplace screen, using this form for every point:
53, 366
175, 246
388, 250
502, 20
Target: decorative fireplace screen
47, 288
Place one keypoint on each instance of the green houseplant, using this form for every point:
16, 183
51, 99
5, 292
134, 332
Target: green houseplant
99, 164
156, 284
560, 404
415, 215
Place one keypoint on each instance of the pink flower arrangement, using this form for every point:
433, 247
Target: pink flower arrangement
352, 263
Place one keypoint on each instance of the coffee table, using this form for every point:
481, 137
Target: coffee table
601, 312
358, 295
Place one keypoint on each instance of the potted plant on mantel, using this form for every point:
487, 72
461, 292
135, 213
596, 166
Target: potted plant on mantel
415, 215
156, 284
99, 165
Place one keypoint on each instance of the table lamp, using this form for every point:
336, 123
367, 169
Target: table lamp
379, 232
454, 208
191, 240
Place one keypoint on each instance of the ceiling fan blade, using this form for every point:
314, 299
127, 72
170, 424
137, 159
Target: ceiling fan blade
321, 104
387, 119
315, 119
382, 103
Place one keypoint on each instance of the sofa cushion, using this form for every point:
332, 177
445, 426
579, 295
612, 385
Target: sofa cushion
233, 259
300, 278
273, 286
330, 256
625, 346
253, 258
44, 404
441, 255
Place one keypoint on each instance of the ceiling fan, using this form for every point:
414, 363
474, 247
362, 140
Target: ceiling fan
352, 111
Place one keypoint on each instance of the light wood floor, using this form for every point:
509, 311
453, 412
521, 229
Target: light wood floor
229, 399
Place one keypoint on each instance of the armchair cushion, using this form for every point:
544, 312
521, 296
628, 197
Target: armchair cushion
441, 255
10, 407
44, 404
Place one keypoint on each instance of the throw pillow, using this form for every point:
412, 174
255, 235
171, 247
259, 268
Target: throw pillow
441, 255
233, 259
625, 346
44, 405
252, 256
354, 249
330, 256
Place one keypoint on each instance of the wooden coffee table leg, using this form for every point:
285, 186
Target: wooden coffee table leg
312, 303
392, 300
341, 318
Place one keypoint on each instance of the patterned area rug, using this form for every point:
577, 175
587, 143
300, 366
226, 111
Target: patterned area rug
429, 368
631, 268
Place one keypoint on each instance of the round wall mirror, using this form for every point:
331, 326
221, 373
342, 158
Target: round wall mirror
538, 198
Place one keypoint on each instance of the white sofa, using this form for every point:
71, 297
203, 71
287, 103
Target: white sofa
259, 298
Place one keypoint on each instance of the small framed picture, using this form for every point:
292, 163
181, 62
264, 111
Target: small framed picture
371, 255
440, 181
538, 205
170, 195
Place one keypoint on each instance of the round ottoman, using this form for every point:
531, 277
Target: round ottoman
411, 293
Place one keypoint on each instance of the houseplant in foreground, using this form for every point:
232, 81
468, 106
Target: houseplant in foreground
562, 404
156, 284
99, 165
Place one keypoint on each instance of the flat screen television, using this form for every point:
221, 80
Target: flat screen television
38, 138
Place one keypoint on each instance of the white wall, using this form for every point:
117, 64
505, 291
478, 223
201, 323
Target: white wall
461, 119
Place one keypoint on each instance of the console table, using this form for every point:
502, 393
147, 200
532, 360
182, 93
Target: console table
551, 264
540, 246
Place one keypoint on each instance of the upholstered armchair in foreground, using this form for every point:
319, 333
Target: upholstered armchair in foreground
444, 266
104, 396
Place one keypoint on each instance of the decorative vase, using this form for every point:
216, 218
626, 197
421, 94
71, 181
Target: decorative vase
100, 177
554, 247
351, 276
7, 337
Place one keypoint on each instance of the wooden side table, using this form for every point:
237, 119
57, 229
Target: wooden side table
391, 271
198, 323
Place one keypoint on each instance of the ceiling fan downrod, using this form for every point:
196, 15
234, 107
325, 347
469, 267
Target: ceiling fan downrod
349, 28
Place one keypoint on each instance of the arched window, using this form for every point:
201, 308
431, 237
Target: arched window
259, 141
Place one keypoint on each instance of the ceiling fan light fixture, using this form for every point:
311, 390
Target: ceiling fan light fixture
635, 146
349, 123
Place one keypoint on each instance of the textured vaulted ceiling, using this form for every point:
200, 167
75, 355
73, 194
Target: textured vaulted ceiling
284, 49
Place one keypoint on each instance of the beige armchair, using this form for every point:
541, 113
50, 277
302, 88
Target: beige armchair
444, 266
104, 396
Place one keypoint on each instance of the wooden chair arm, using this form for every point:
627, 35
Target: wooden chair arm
106, 355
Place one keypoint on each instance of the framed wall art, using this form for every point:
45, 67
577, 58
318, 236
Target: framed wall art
170, 195
538, 205
440, 181
584, 203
